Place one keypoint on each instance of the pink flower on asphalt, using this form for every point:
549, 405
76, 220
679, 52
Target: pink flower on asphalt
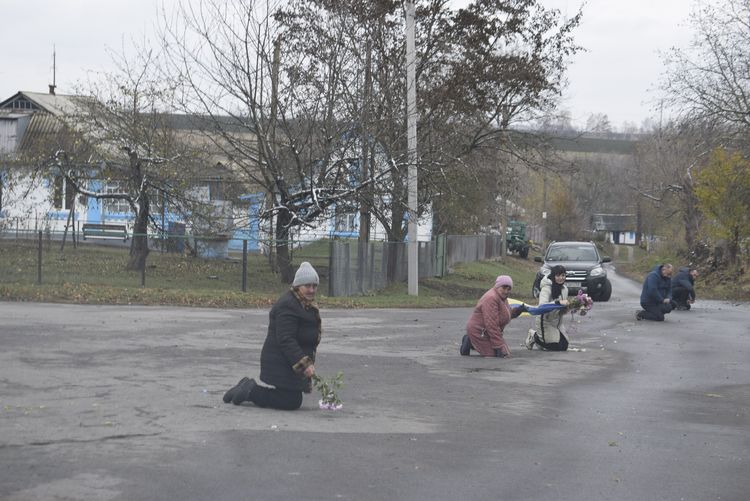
329, 406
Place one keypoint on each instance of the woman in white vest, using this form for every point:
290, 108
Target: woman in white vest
550, 333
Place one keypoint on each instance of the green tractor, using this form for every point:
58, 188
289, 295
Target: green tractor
515, 238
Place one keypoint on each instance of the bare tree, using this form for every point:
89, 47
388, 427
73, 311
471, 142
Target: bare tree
710, 79
597, 181
12, 188
314, 93
121, 144
283, 127
598, 123
708, 84
563, 222
481, 70
723, 190
664, 173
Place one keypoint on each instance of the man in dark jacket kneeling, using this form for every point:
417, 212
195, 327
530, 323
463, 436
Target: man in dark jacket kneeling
656, 297
683, 288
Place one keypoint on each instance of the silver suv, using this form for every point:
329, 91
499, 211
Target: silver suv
583, 266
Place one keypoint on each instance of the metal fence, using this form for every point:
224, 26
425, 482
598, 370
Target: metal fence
55, 259
357, 269
466, 249
346, 268
535, 233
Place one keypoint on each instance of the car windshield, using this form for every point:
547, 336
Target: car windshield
571, 254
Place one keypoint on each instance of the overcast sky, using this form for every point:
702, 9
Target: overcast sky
613, 77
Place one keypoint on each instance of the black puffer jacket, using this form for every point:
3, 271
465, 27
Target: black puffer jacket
293, 336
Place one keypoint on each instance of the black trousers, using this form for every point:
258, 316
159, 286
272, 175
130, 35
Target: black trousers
276, 398
680, 295
655, 312
562, 345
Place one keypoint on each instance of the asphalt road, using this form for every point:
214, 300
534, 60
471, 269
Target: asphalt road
124, 403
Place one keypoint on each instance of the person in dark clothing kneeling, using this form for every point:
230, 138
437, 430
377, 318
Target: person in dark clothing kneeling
656, 297
288, 355
683, 288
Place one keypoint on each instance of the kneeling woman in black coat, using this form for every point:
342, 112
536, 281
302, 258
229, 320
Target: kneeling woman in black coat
288, 355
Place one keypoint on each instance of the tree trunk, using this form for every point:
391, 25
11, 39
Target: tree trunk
733, 246
392, 249
273, 146
503, 229
638, 222
691, 217
65, 230
283, 260
139, 245
398, 229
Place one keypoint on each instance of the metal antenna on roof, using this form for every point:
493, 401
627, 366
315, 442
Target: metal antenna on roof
54, 71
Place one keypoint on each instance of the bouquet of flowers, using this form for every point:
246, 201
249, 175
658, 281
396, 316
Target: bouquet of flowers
580, 304
328, 391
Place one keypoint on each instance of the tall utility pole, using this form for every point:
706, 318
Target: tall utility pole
411, 126
363, 269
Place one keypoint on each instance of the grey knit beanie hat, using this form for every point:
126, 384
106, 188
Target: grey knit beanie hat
306, 274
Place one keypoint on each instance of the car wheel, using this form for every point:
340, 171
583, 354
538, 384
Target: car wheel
524, 253
606, 292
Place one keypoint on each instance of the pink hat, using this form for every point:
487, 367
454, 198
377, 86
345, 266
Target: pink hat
503, 280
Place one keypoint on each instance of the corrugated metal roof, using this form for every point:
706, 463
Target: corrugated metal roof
43, 129
57, 104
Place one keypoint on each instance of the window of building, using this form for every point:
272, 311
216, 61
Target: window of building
20, 103
63, 194
215, 189
345, 223
115, 205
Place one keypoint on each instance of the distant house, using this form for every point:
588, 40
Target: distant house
31, 120
617, 228
26, 120
34, 125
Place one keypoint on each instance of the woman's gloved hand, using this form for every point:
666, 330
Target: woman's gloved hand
517, 309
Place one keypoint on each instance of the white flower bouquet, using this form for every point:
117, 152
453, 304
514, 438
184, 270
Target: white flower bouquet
328, 388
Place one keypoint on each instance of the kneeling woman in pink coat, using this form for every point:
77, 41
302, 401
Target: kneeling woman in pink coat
484, 331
